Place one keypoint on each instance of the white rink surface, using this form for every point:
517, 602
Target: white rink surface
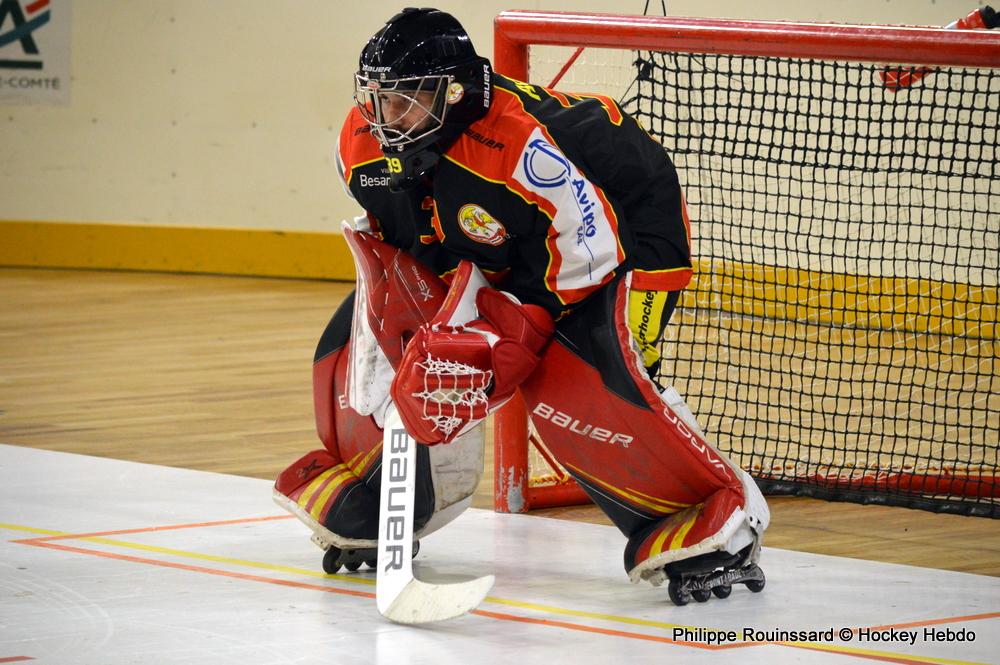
252, 591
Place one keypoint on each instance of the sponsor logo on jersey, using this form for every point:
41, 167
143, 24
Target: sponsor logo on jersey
546, 167
366, 180
577, 426
585, 242
480, 225
485, 140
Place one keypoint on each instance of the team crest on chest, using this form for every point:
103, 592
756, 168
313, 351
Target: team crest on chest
480, 225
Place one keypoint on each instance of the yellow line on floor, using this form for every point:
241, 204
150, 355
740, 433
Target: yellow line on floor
550, 609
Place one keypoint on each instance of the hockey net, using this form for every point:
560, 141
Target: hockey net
840, 336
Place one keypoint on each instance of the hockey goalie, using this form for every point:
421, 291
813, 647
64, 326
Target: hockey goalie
513, 237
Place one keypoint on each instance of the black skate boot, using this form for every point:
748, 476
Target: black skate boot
715, 573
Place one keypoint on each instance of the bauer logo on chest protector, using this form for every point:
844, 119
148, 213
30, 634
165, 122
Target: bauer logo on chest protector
586, 243
480, 225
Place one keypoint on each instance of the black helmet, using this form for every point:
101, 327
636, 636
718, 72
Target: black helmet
419, 84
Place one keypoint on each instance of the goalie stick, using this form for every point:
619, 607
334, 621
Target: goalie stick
400, 596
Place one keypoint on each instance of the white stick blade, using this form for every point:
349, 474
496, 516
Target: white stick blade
400, 597
419, 602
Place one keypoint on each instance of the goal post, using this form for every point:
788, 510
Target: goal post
839, 338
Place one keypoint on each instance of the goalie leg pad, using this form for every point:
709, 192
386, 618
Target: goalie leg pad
717, 526
604, 419
335, 491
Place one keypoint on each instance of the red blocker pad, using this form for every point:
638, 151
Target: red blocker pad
603, 419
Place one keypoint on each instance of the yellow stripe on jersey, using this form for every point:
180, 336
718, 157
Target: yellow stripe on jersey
496, 182
350, 169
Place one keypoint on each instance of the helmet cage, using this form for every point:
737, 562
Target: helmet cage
405, 110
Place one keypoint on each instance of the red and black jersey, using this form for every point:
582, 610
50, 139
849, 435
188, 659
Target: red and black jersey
550, 194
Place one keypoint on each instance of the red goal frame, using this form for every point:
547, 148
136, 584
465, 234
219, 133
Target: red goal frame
515, 31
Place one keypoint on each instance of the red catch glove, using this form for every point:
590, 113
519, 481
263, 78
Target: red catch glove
452, 376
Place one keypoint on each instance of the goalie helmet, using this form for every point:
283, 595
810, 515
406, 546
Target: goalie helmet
419, 83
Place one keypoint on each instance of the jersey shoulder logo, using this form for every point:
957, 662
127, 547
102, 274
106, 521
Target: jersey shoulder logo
480, 225
544, 166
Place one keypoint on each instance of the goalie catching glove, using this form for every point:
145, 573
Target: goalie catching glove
468, 360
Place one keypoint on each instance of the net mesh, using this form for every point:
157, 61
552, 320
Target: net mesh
839, 338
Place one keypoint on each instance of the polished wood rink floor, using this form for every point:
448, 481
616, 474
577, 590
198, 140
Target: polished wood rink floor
213, 373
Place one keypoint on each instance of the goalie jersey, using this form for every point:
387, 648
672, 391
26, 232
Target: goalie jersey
550, 194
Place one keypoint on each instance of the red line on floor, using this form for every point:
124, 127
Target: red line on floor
15, 659
200, 569
603, 631
151, 529
936, 622
45, 541
902, 659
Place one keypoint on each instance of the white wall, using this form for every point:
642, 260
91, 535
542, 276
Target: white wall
225, 112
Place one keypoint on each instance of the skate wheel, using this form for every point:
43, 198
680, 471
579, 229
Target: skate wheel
352, 565
722, 591
701, 595
757, 585
371, 563
676, 596
330, 565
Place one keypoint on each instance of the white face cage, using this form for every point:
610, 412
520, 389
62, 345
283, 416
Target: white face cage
402, 111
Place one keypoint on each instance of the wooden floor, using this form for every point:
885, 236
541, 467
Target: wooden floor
213, 373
